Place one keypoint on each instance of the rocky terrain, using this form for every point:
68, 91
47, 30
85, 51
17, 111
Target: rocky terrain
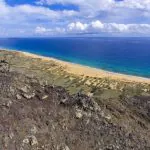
44, 108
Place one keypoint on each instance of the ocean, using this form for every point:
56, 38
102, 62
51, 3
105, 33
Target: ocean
116, 54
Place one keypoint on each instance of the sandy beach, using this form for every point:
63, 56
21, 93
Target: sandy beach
82, 70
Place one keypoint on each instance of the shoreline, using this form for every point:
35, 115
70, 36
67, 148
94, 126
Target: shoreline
82, 70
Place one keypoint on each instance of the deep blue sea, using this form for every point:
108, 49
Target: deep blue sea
123, 55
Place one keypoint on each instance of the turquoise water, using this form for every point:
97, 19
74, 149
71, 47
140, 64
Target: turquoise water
123, 55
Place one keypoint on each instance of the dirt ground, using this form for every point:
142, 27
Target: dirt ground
40, 116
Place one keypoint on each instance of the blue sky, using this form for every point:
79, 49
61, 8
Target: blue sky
27, 18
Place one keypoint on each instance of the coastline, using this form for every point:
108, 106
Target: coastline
82, 70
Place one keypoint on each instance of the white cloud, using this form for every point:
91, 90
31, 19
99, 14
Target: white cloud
139, 28
97, 27
97, 24
135, 4
87, 7
101, 4
114, 27
77, 26
28, 12
126, 16
27, 16
33, 10
40, 30
126, 11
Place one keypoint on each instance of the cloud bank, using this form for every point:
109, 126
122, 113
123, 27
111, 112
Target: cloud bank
96, 27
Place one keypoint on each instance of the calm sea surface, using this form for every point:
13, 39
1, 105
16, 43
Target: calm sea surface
122, 55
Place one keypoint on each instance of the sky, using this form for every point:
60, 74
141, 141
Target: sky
46, 18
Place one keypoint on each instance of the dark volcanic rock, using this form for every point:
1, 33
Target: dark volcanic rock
4, 66
38, 117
